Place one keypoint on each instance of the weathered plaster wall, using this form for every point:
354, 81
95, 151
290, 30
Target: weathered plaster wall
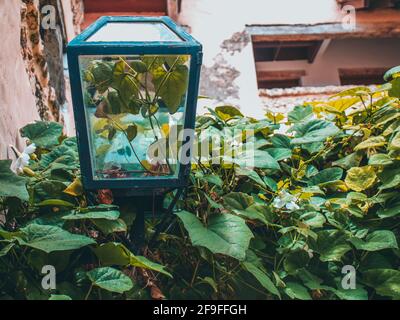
229, 72
32, 85
17, 100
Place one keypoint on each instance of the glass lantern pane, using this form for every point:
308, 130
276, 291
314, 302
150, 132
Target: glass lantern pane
135, 108
134, 31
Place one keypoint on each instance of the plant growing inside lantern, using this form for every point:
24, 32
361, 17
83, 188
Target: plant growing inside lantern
134, 80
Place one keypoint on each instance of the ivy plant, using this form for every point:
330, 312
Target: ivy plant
322, 198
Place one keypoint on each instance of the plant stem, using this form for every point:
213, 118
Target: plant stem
89, 292
156, 137
194, 273
130, 143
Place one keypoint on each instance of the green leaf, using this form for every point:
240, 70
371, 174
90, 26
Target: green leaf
251, 174
131, 132
238, 200
213, 179
281, 141
110, 279
349, 161
261, 277
12, 185
326, 175
300, 113
43, 134
297, 291
100, 74
388, 212
139, 66
49, 189
224, 233
51, 238
59, 297
113, 253
296, 260
372, 142
313, 219
280, 153
65, 154
93, 214
395, 90
394, 143
110, 226
127, 90
391, 72
331, 245
386, 282
314, 130
360, 178
357, 91
9, 235
271, 183
171, 86
143, 262
390, 178
5, 250
227, 113
55, 203
380, 159
352, 294
258, 212
259, 159
377, 240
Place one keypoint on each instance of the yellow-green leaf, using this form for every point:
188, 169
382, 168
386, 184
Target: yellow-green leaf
75, 188
372, 142
360, 178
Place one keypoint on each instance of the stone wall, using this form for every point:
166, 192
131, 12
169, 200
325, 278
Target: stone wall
17, 99
32, 82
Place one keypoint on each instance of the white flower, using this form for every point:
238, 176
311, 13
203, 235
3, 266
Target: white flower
291, 206
278, 203
285, 199
23, 158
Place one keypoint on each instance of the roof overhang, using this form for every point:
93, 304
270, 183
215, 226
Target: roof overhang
307, 32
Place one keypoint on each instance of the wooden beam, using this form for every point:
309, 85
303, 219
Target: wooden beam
125, 5
93, 16
349, 72
280, 75
358, 4
270, 33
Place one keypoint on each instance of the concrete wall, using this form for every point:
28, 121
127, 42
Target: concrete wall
17, 101
344, 53
229, 71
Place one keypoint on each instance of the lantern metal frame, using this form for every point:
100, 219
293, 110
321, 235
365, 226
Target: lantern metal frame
80, 47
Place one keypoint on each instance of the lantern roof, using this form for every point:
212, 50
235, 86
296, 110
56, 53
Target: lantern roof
134, 31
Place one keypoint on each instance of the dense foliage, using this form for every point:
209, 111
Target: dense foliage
323, 195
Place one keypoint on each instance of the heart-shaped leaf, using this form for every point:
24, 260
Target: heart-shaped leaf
110, 279
225, 233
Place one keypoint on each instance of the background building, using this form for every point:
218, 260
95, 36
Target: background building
258, 54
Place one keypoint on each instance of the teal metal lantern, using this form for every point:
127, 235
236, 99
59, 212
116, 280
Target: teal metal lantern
134, 80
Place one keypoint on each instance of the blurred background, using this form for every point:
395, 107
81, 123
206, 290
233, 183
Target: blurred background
259, 55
